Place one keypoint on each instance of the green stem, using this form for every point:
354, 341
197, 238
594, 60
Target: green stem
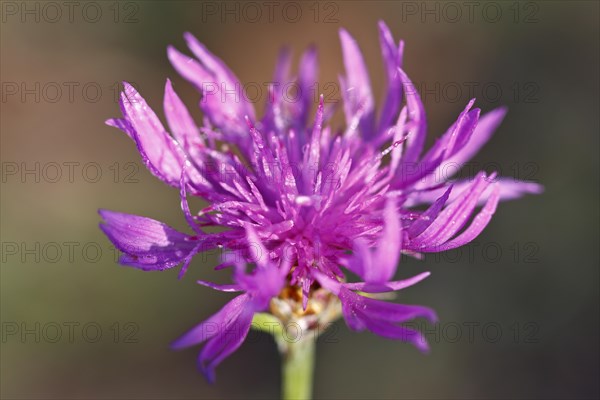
298, 362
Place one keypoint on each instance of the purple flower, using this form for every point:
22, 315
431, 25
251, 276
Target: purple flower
305, 194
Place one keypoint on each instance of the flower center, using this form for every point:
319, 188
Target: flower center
321, 310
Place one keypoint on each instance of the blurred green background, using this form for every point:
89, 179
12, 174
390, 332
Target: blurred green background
518, 308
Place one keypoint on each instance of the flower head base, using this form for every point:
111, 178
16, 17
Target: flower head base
304, 196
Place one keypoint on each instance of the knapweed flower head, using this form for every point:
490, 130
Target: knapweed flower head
304, 203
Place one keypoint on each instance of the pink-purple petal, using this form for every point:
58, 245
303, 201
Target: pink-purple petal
358, 96
180, 121
146, 243
479, 223
416, 116
390, 286
213, 325
392, 58
160, 153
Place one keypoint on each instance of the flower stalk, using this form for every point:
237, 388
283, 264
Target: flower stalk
297, 369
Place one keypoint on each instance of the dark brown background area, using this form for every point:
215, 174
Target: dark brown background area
532, 275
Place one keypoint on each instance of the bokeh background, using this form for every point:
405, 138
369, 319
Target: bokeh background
519, 307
